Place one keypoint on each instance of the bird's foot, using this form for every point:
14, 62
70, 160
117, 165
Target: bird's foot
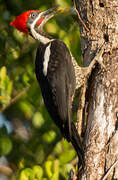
98, 58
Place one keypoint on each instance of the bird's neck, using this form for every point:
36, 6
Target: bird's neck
41, 36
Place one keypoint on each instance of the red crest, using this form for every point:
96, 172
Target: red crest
21, 20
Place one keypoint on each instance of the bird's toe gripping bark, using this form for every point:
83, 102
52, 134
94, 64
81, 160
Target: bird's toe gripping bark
98, 57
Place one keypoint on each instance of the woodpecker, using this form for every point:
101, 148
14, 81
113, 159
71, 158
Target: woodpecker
57, 72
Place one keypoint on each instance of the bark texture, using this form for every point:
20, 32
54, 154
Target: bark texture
101, 137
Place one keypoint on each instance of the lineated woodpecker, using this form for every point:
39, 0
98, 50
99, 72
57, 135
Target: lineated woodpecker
57, 72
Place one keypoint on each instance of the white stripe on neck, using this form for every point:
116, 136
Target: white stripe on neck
46, 60
36, 35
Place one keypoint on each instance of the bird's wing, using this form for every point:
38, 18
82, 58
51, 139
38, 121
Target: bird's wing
62, 81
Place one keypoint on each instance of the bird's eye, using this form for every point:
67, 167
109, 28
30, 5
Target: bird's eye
33, 15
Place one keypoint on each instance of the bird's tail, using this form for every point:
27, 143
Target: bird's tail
74, 138
76, 142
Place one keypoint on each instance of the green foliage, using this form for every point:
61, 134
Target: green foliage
35, 148
35, 173
26, 174
5, 145
5, 87
52, 169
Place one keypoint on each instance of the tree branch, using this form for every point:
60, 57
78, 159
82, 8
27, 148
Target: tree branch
15, 99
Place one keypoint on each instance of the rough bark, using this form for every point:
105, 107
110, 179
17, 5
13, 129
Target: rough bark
101, 137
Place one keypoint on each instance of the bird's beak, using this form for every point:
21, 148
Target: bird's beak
52, 11
48, 14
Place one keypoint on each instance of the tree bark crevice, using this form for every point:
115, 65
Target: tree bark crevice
101, 137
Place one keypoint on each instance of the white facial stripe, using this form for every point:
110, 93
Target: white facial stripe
37, 35
38, 17
46, 59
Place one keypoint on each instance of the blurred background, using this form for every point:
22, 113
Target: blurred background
31, 146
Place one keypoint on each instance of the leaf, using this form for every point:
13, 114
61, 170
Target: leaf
37, 172
5, 86
55, 170
67, 156
26, 174
9, 88
38, 120
58, 148
52, 169
5, 146
27, 108
48, 166
3, 73
49, 136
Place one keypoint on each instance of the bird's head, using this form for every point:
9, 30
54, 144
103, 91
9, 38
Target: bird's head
32, 22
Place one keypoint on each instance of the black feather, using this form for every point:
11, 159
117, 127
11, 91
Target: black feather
58, 88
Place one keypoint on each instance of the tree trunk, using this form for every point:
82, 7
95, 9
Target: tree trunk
101, 136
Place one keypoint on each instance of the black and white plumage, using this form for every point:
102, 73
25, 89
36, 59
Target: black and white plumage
56, 76
58, 86
57, 73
